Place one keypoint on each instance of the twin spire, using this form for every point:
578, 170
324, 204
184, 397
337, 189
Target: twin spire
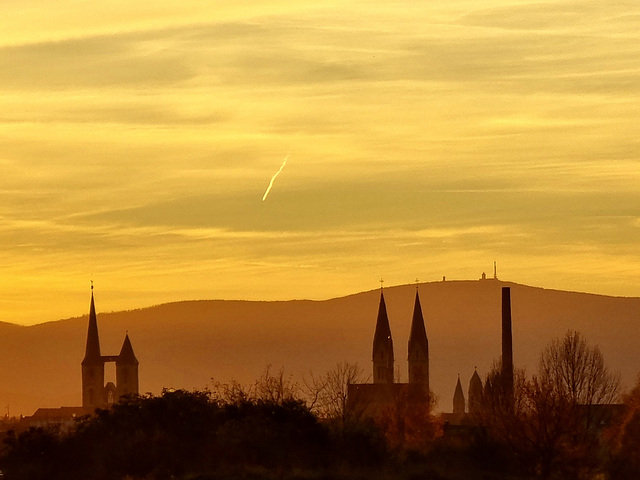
383, 357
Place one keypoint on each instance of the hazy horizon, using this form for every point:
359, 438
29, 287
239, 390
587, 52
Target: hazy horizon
185, 345
302, 299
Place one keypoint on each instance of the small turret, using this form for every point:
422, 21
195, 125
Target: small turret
418, 348
458, 399
383, 360
126, 370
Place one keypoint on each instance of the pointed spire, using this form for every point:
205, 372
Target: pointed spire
382, 346
126, 353
458, 398
418, 348
475, 393
382, 335
92, 350
418, 334
475, 386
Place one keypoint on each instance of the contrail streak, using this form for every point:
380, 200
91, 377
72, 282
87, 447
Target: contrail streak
274, 177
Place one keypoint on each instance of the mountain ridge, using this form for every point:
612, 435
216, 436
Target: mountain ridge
185, 344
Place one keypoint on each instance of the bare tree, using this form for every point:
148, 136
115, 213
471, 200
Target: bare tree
277, 388
578, 371
327, 395
549, 423
232, 393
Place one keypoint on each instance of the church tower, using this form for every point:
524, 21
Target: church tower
126, 370
95, 394
475, 394
418, 349
92, 364
458, 399
382, 347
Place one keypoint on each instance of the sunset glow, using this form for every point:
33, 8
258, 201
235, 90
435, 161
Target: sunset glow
427, 139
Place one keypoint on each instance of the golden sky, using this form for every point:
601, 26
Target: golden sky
137, 140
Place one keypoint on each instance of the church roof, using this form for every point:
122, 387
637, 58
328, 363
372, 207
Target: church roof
382, 336
92, 350
126, 353
418, 335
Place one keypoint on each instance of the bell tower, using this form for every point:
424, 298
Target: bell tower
418, 349
92, 364
95, 394
382, 347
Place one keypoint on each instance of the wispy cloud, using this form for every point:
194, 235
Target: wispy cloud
133, 140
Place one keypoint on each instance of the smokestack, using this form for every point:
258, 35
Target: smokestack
507, 343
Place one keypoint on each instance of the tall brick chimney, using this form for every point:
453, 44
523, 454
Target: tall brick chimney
507, 342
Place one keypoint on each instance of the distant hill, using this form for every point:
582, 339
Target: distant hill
185, 344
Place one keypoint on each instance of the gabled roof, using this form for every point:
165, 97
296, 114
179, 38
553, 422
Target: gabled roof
126, 353
92, 350
418, 335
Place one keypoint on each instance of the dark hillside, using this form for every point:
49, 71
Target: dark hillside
185, 344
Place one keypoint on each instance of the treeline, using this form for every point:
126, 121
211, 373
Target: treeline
192, 434
549, 425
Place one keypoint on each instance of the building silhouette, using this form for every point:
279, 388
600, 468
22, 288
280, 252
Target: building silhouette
384, 391
95, 393
459, 404
507, 344
383, 359
372, 398
418, 349
473, 404
474, 397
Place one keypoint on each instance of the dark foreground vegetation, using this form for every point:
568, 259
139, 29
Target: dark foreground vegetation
277, 429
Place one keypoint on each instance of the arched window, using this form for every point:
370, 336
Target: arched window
110, 393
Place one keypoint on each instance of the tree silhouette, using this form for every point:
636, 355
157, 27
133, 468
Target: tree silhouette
550, 424
624, 439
